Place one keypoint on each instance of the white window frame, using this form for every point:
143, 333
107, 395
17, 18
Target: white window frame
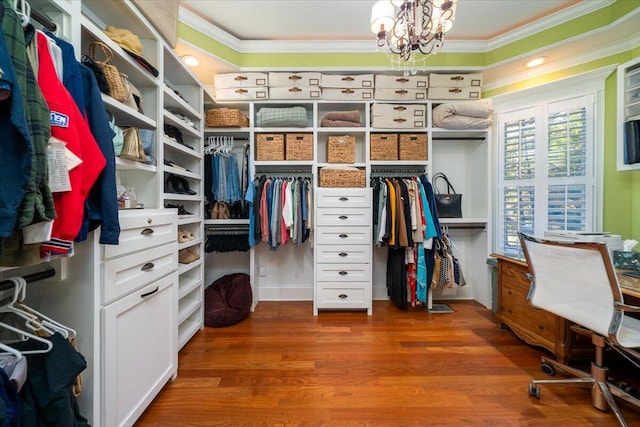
589, 84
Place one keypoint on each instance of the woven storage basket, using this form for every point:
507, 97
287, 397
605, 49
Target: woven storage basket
341, 149
270, 146
384, 146
337, 177
413, 146
226, 118
299, 146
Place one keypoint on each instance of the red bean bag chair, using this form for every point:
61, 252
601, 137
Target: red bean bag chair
227, 300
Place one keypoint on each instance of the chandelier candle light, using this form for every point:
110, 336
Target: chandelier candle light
411, 30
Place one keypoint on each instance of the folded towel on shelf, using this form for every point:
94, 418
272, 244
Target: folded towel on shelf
339, 124
463, 115
351, 118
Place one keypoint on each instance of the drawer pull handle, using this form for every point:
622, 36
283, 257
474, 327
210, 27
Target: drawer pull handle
343, 217
344, 199
148, 266
343, 254
343, 273
147, 231
150, 293
343, 236
343, 296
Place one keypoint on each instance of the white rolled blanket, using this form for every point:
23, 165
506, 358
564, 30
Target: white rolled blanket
463, 115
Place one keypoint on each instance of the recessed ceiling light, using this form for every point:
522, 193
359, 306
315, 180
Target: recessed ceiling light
537, 61
190, 60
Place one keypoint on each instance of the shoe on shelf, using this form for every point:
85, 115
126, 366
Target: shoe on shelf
181, 210
181, 185
186, 256
183, 236
175, 165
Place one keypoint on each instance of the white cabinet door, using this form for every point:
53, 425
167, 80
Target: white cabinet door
139, 342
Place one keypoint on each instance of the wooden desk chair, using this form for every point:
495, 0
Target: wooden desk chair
577, 281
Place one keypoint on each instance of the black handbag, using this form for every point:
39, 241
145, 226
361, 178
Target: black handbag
449, 204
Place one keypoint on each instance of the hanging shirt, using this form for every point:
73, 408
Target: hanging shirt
68, 125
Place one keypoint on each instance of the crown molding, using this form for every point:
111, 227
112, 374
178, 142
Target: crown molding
547, 22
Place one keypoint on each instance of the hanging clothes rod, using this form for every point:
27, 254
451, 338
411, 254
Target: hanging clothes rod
43, 20
29, 278
398, 171
466, 227
459, 138
283, 172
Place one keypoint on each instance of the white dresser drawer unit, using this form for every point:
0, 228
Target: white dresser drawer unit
343, 217
398, 116
344, 296
347, 81
347, 94
295, 92
125, 274
344, 254
142, 229
242, 93
400, 94
235, 80
454, 93
397, 82
338, 197
343, 235
455, 80
294, 79
343, 272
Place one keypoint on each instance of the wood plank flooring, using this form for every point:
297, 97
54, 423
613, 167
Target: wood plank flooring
284, 367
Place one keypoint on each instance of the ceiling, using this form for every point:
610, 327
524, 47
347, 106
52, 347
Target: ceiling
324, 20
332, 25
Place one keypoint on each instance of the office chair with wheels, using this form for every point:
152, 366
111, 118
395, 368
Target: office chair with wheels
577, 281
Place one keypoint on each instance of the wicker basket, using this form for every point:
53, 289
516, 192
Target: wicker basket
299, 146
413, 146
341, 149
226, 118
270, 146
384, 146
342, 177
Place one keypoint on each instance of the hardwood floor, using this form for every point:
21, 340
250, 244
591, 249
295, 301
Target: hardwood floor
284, 367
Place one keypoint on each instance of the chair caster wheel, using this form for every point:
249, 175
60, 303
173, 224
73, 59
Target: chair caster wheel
534, 391
548, 369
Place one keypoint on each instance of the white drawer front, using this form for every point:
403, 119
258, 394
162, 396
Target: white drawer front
243, 93
295, 92
347, 94
340, 197
234, 80
343, 272
399, 110
294, 79
343, 216
343, 235
347, 81
343, 254
455, 80
415, 82
398, 122
343, 296
454, 93
126, 274
143, 229
400, 94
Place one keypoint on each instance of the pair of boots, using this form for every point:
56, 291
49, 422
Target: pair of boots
177, 185
220, 210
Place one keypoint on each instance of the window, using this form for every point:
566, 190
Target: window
546, 169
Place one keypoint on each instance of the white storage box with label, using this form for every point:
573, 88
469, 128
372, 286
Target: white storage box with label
454, 93
242, 93
295, 92
398, 116
407, 82
350, 81
347, 94
229, 80
455, 80
400, 94
294, 79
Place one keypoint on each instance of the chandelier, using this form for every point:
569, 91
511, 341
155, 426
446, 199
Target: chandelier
409, 31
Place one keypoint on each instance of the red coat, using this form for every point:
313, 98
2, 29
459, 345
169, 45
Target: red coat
68, 124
